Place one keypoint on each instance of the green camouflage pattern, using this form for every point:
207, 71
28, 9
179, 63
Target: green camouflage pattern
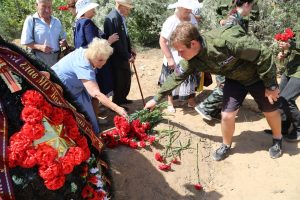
230, 52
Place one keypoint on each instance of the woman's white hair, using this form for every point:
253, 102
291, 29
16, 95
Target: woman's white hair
98, 47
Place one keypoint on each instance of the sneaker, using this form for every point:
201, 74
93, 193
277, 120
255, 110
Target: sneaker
171, 109
102, 121
275, 150
221, 153
293, 137
203, 113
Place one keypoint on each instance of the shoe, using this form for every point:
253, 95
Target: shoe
203, 113
102, 121
221, 153
293, 137
171, 109
275, 150
269, 131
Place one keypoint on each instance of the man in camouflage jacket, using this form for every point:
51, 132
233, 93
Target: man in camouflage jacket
248, 67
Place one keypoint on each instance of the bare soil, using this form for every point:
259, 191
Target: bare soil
248, 173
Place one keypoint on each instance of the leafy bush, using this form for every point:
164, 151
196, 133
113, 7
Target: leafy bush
13, 15
145, 21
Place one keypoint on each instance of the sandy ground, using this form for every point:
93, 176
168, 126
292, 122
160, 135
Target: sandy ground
248, 173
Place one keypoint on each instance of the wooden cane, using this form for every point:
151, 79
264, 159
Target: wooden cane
138, 81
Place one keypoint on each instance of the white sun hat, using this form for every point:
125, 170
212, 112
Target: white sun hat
188, 4
82, 6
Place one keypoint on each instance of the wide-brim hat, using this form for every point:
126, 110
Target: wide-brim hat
127, 3
82, 6
188, 4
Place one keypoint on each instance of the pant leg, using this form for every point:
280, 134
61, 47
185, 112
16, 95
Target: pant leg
288, 97
213, 103
122, 82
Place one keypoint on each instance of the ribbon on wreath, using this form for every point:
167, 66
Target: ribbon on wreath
8, 77
6, 189
19, 65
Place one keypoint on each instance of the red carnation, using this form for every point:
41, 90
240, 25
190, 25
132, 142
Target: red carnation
67, 164
289, 33
165, 167
50, 171
87, 192
142, 144
175, 161
198, 186
151, 139
57, 116
32, 98
93, 179
82, 142
159, 157
55, 183
33, 132
47, 109
77, 155
63, 8
31, 115
124, 141
45, 154
29, 158
122, 124
133, 144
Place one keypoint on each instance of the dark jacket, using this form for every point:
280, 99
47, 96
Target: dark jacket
85, 31
230, 52
114, 24
293, 59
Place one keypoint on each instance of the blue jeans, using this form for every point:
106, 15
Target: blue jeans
289, 92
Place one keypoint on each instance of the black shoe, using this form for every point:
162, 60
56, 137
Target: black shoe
275, 150
203, 113
293, 137
269, 131
221, 153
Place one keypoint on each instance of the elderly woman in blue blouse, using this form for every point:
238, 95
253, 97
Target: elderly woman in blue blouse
77, 73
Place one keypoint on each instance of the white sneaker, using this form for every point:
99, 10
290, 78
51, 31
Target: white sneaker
171, 109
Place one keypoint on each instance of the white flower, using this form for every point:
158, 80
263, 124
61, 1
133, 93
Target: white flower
94, 170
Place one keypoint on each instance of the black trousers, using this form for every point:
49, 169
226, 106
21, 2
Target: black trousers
122, 82
289, 92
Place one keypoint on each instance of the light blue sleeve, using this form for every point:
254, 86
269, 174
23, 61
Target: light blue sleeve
63, 34
85, 72
26, 36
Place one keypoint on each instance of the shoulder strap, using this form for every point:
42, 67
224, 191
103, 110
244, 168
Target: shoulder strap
33, 26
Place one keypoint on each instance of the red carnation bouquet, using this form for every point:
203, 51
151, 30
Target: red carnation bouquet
286, 36
135, 132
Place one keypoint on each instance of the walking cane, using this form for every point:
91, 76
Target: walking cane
138, 81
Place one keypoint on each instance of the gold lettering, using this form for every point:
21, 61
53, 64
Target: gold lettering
44, 82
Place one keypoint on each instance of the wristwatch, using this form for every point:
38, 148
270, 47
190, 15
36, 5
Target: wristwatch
273, 87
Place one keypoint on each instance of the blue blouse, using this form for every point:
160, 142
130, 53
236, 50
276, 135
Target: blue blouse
71, 70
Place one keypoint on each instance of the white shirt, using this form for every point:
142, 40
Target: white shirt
168, 27
43, 33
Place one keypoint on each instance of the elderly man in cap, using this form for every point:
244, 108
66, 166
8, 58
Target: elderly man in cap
44, 33
123, 55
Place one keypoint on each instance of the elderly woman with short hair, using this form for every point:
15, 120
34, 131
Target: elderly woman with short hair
77, 73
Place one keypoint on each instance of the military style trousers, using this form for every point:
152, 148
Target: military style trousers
212, 105
289, 92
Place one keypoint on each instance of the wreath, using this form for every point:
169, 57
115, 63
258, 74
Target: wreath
49, 139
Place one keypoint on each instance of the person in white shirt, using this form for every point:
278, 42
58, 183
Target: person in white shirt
43, 33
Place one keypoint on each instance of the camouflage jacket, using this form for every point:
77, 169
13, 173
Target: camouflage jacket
293, 59
230, 52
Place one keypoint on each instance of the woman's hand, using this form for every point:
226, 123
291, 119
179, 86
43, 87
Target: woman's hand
121, 111
150, 104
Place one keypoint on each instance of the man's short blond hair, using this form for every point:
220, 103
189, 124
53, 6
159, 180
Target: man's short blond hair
98, 47
184, 33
